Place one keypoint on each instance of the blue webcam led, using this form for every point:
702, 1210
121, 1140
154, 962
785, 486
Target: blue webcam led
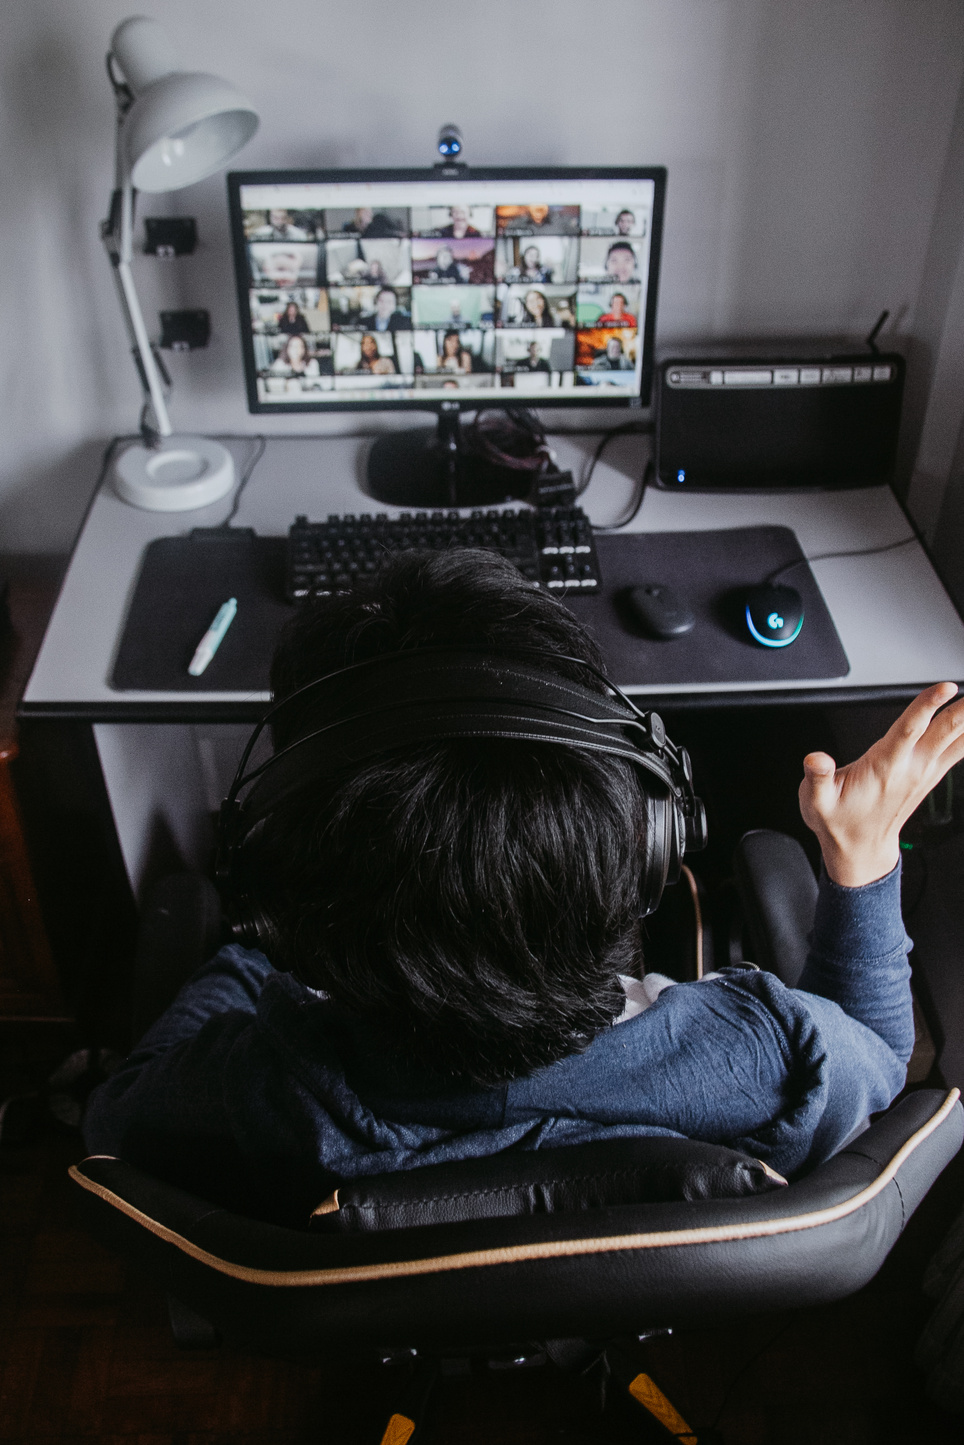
449, 141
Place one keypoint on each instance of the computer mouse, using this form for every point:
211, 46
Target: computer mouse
660, 611
774, 614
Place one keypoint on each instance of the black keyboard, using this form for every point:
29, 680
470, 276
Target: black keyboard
551, 546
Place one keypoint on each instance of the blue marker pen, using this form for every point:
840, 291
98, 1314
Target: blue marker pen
213, 638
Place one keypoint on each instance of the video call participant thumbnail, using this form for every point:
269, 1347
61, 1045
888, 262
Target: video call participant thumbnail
453, 356
552, 260
388, 314
618, 314
465, 262
294, 358
537, 306
622, 263
371, 359
537, 220
534, 360
349, 304
455, 306
598, 299
609, 261
456, 353
457, 223
602, 350
372, 263
283, 264
607, 221
519, 349
281, 226
376, 354
445, 381
365, 222
292, 321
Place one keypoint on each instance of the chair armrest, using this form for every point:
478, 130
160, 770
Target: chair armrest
778, 894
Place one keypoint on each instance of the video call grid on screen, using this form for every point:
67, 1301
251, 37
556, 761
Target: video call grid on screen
400, 289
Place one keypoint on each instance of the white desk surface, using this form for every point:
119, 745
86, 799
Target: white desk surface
896, 622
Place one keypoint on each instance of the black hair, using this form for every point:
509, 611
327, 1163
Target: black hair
622, 246
546, 318
470, 901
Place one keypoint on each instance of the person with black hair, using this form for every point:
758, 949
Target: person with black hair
453, 356
455, 947
621, 262
530, 267
535, 310
292, 321
619, 313
388, 315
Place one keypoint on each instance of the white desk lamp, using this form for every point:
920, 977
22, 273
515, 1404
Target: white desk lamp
174, 127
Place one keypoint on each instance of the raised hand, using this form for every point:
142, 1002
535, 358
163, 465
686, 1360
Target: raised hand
857, 811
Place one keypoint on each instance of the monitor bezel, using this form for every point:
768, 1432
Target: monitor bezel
582, 397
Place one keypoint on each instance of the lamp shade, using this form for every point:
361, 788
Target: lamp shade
183, 125
182, 128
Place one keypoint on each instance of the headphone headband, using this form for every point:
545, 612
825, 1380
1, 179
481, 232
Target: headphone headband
402, 699
441, 694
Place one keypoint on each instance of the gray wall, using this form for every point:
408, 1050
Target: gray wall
813, 148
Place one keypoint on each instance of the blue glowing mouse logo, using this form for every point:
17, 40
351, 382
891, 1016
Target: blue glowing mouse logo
774, 622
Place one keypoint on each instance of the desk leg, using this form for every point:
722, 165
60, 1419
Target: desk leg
84, 892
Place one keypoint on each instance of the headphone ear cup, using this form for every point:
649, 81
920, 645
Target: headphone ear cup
251, 928
660, 826
249, 925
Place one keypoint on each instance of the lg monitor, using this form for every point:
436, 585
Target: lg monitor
414, 290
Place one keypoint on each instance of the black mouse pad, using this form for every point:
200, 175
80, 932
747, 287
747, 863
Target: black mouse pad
184, 580
182, 583
711, 571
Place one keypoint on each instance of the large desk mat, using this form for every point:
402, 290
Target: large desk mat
712, 571
184, 580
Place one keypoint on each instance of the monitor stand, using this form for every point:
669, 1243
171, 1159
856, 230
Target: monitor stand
422, 467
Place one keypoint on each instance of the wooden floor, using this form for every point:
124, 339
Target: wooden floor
86, 1354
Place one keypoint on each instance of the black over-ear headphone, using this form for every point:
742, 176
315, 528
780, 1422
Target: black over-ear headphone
401, 699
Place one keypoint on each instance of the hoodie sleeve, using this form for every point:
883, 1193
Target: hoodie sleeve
171, 1082
858, 958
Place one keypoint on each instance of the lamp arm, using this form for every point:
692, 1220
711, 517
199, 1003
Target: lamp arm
117, 234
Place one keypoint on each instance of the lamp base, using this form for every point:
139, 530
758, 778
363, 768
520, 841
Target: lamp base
181, 474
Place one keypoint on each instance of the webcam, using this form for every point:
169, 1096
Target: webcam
449, 142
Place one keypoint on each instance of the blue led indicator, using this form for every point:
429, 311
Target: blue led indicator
681, 476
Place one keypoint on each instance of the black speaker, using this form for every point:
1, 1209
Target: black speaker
778, 421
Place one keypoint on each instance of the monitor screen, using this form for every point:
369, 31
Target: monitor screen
405, 289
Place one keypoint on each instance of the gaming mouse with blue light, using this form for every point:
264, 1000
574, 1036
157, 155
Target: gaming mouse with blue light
774, 614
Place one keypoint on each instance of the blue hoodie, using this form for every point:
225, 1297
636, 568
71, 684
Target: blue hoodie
254, 1091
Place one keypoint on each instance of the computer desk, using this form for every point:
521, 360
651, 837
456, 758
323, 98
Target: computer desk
152, 766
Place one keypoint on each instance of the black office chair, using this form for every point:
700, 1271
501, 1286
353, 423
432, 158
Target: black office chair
561, 1249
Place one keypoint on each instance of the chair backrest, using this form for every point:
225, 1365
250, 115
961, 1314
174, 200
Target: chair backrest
593, 1272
